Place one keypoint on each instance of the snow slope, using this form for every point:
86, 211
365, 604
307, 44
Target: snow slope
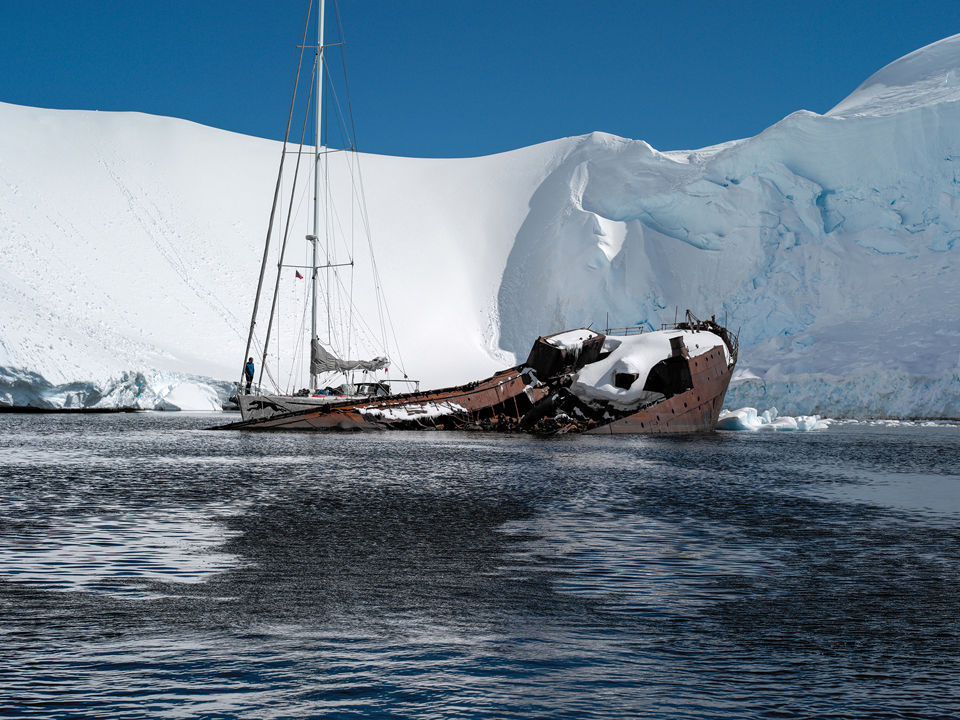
130, 247
831, 241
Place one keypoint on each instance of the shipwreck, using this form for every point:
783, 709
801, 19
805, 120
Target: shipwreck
630, 381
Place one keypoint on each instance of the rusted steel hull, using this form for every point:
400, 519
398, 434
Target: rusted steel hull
509, 393
680, 393
693, 411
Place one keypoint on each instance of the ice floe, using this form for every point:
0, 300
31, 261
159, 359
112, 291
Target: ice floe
748, 419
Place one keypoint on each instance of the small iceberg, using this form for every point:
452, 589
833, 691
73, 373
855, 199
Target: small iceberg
748, 419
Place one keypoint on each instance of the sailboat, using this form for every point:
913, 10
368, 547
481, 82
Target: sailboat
327, 363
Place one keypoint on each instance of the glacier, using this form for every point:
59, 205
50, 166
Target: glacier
131, 246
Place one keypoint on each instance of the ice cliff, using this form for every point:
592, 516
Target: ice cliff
830, 241
131, 246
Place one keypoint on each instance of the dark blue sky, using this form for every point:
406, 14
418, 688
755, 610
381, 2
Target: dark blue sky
456, 79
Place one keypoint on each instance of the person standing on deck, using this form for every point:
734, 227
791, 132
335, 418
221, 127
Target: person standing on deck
248, 373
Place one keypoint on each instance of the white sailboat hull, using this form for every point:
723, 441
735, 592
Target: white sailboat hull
258, 407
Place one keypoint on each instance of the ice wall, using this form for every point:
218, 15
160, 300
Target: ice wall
830, 241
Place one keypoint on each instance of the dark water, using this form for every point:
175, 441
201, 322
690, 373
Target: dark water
150, 568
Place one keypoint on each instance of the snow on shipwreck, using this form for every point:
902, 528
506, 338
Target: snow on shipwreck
580, 381
667, 381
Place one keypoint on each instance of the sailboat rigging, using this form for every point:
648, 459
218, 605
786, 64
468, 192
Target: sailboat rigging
332, 359
621, 381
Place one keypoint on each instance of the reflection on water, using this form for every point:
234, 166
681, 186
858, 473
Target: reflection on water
116, 551
149, 567
639, 564
934, 495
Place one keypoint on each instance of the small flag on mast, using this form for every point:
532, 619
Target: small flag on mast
299, 276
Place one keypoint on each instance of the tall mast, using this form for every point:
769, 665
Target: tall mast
315, 238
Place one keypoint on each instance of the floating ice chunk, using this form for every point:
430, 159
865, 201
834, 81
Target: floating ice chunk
949, 424
748, 419
783, 423
742, 419
811, 422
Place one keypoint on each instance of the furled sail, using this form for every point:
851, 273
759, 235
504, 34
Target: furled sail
322, 360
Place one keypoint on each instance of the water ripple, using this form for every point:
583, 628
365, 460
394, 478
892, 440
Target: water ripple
151, 568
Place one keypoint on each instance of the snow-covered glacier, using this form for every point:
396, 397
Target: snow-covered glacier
131, 246
830, 241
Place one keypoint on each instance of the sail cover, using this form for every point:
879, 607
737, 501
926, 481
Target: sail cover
322, 360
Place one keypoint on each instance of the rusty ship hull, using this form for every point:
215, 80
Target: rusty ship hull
695, 410
681, 394
509, 393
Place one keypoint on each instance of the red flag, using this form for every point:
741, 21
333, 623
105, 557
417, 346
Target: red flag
299, 276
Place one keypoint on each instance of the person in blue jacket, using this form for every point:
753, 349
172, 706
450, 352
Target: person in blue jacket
248, 373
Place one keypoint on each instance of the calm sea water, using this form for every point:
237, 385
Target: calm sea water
152, 568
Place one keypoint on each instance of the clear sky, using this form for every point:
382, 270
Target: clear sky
433, 78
